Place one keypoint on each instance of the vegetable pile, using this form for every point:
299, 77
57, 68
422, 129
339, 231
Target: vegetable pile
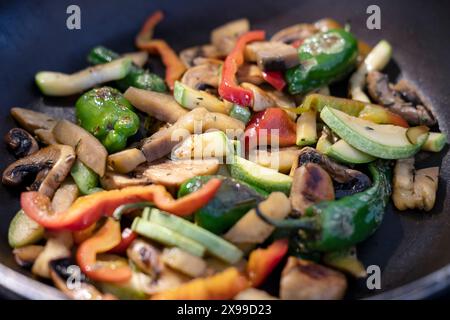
236, 164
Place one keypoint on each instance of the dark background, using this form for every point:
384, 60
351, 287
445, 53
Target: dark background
34, 37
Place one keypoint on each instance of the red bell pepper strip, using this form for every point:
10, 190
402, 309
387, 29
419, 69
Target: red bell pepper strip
229, 88
174, 66
268, 120
262, 261
275, 79
221, 286
128, 236
88, 209
146, 33
103, 240
297, 43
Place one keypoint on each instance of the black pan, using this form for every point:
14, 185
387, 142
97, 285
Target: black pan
411, 248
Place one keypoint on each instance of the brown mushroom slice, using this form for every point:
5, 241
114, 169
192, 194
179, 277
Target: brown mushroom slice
188, 55
311, 184
126, 160
21, 143
348, 181
88, 149
307, 280
45, 136
66, 194
250, 73
162, 142
26, 256
58, 246
32, 120
261, 99
295, 33
50, 165
139, 58
414, 189
224, 37
146, 256
158, 105
167, 172
273, 55
406, 102
68, 278
202, 76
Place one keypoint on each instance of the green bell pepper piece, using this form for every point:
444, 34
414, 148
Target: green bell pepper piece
340, 224
231, 202
106, 114
325, 58
137, 77
240, 113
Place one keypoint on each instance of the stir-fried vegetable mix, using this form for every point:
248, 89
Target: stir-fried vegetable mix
240, 163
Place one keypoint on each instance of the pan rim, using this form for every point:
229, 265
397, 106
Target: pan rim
26, 287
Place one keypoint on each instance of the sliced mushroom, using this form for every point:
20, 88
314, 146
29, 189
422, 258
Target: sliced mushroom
307, 280
32, 120
26, 256
21, 142
139, 58
311, 184
348, 181
161, 106
162, 142
414, 189
188, 55
202, 77
68, 278
401, 99
45, 136
88, 149
250, 73
184, 262
326, 24
261, 99
126, 160
298, 32
272, 56
280, 160
58, 246
49, 165
167, 172
66, 194
224, 37
146, 256
254, 294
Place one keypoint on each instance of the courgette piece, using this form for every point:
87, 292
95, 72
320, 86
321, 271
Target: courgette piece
191, 99
435, 143
241, 113
306, 128
24, 231
164, 235
215, 245
343, 152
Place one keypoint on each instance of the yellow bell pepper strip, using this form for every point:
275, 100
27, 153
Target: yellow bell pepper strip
262, 261
89, 209
174, 66
105, 239
229, 88
221, 286
363, 110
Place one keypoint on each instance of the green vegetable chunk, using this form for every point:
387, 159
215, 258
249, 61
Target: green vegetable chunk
85, 178
215, 245
325, 57
240, 113
231, 202
24, 231
106, 114
137, 77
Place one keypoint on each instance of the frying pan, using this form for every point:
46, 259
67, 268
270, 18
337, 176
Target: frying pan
412, 249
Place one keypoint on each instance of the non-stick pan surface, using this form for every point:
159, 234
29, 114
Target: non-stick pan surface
411, 248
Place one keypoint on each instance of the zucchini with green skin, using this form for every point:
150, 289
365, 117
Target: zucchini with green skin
261, 177
214, 244
24, 231
61, 84
85, 178
191, 99
382, 141
137, 76
435, 143
343, 152
241, 113
167, 236
306, 128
